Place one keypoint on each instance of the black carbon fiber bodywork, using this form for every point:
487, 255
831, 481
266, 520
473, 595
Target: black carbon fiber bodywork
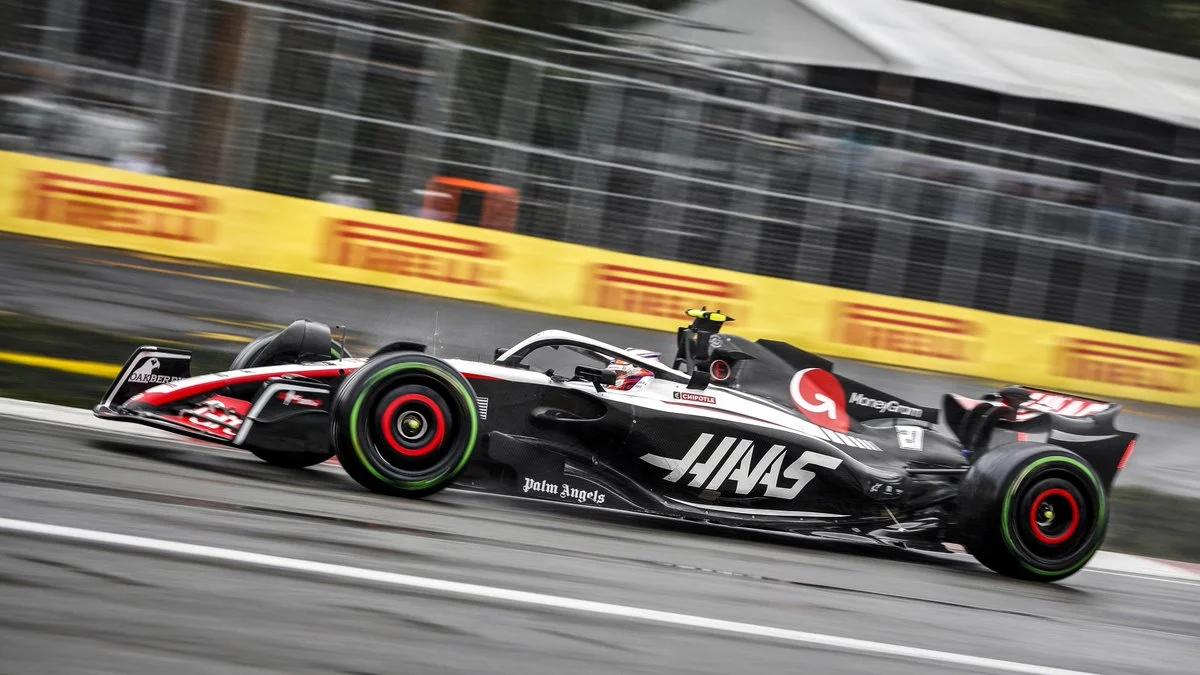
746, 453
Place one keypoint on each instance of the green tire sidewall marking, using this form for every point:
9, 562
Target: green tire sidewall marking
473, 415
1006, 530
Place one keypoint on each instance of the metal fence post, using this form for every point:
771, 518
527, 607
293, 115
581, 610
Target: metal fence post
665, 228
597, 136
1164, 300
179, 107
60, 32
1034, 260
343, 93
425, 146
890, 266
522, 91
160, 54
255, 66
826, 183
753, 169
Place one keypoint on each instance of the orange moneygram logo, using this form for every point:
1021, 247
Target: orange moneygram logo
1124, 365
629, 289
117, 207
412, 253
905, 332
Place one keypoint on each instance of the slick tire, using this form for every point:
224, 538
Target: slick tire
404, 424
1033, 511
291, 460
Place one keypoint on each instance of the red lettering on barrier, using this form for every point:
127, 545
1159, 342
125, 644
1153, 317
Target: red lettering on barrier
117, 207
1123, 365
412, 253
628, 289
905, 332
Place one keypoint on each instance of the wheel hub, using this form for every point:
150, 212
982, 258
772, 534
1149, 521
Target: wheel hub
412, 424
1047, 527
1046, 517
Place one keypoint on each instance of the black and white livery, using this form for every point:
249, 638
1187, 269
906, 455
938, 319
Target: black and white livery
748, 433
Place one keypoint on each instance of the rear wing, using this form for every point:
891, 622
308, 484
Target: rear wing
148, 367
1064, 405
1085, 426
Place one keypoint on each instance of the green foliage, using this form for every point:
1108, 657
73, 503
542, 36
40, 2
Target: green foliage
1165, 25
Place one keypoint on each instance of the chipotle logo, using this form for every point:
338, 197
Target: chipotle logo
629, 289
1123, 365
412, 253
118, 207
905, 332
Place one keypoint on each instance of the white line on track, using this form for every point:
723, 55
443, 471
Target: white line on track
1144, 577
525, 598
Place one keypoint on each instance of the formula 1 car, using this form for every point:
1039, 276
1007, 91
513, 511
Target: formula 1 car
756, 434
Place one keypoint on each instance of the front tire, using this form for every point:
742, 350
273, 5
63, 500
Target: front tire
1033, 511
404, 424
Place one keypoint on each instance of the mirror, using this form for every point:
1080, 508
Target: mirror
597, 376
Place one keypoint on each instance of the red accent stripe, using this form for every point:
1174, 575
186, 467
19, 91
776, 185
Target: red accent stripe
242, 408
1128, 453
854, 306
1128, 348
697, 285
187, 201
908, 324
410, 244
182, 393
666, 287
475, 249
1180, 362
486, 378
207, 431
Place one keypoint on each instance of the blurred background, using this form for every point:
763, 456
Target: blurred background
904, 148
1032, 158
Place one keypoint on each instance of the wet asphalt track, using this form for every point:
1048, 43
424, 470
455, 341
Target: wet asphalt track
68, 607
136, 295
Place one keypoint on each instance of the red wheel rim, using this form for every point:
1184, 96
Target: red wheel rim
1037, 527
439, 425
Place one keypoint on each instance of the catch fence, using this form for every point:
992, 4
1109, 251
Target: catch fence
614, 140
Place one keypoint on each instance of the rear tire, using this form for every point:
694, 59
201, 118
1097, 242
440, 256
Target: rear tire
404, 424
291, 460
1033, 511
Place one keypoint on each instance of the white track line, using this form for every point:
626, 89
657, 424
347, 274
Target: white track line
1106, 562
526, 598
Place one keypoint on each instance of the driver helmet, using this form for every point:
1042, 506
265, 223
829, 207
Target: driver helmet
631, 376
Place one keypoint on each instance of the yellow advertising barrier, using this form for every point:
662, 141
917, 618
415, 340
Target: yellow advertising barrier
105, 207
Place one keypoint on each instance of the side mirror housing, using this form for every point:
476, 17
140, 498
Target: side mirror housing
599, 377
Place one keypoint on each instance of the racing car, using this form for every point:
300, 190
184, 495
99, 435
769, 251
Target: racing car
740, 432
